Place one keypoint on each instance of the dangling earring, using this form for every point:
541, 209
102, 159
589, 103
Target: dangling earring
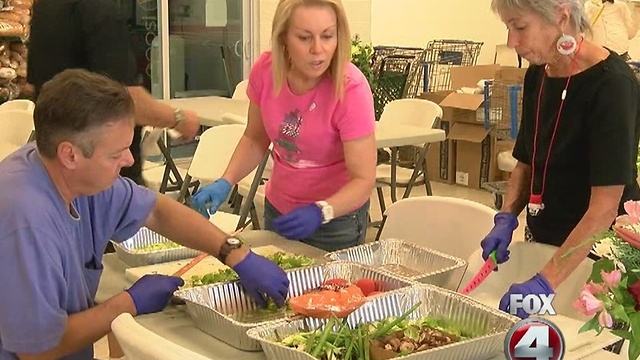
566, 45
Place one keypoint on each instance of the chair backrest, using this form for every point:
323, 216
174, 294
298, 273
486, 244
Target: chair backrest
240, 91
214, 151
16, 126
139, 343
416, 112
18, 104
450, 225
525, 260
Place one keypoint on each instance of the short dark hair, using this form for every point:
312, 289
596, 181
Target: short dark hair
74, 102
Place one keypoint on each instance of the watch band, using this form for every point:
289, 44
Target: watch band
178, 116
231, 243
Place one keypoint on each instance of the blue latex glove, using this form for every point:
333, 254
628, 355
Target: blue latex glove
213, 194
151, 293
300, 223
536, 285
499, 237
261, 277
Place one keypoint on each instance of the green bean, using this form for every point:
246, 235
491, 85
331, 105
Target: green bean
381, 331
366, 346
323, 339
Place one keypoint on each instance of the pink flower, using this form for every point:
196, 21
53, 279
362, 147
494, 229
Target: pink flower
588, 304
633, 213
595, 289
605, 319
629, 236
611, 279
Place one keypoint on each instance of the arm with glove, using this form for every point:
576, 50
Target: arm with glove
248, 154
499, 238
258, 276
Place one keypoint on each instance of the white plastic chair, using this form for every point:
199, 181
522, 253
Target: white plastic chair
416, 112
525, 260
18, 104
162, 177
450, 225
16, 126
139, 343
210, 160
240, 91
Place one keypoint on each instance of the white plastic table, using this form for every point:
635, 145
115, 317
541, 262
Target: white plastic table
211, 108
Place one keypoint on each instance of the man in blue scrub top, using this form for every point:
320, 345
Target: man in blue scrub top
62, 200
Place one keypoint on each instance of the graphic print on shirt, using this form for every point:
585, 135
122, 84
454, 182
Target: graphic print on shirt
289, 132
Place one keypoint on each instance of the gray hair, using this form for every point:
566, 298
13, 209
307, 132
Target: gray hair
547, 9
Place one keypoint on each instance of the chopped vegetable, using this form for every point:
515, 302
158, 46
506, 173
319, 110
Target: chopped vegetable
156, 247
366, 285
380, 340
285, 260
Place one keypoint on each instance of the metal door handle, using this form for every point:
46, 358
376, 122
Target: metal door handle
235, 48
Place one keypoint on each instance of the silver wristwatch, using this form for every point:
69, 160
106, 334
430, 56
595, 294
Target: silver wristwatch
327, 211
178, 117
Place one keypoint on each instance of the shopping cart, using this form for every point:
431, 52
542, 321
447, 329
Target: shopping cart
502, 112
438, 59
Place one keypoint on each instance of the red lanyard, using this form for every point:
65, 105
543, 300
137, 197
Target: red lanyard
535, 200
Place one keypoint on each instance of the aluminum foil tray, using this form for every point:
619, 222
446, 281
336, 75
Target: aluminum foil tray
488, 326
126, 250
212, 307
406, 260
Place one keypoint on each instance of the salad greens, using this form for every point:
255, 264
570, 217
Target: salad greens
285, 260
156, 247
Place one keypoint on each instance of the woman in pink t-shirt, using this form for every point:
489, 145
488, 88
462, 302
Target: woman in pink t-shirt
317, 110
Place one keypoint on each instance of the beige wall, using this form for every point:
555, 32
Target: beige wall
415, 22
358, 11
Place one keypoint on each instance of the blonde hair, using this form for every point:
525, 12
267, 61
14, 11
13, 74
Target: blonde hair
281, 22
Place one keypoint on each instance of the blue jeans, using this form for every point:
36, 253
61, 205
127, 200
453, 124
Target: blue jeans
340, 233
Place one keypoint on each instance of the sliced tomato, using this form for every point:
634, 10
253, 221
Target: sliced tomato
366, 285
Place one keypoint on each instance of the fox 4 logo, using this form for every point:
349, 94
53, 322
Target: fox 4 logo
532, 304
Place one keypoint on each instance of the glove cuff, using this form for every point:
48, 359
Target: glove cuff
544, 282
506, 219
247, 259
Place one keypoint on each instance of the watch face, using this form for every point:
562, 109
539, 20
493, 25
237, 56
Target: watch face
233, 241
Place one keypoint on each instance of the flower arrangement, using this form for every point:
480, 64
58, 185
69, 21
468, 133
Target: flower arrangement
362, 57
612, 292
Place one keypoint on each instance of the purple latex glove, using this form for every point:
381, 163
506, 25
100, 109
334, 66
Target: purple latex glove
151, 293
499, 237
260, 276
535, 286
298, 224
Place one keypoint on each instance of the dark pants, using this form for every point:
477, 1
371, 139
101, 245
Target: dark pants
340, 233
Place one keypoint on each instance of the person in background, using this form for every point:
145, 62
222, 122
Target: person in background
92, 35
316, 107
612, 25
577, 144
66, 202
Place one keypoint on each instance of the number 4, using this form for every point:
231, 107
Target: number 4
525, 349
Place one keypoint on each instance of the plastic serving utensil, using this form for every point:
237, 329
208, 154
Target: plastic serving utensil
482, 274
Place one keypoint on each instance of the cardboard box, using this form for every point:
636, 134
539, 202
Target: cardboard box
441, 157
469, 107
475, 155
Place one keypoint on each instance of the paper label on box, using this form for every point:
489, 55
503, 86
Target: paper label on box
462, 178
